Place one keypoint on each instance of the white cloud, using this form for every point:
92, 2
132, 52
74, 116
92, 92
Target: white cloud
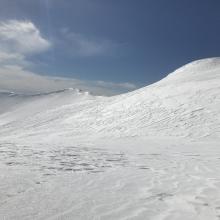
7, 57
16, 79
21, 37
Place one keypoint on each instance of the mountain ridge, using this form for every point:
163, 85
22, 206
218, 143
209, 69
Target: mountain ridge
180, 105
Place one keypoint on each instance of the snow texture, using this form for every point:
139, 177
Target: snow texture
149, 154
185, 104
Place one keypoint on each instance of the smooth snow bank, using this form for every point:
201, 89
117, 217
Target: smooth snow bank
184, 104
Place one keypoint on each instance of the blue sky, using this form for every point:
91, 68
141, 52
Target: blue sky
125, 43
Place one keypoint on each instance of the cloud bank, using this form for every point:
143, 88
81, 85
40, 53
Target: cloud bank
20, 39
14, 78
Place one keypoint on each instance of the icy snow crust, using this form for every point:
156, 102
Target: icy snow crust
148, 154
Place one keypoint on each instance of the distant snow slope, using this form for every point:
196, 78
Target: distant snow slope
184, 104
61, 150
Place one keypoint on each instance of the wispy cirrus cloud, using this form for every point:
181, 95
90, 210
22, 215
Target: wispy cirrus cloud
81, 45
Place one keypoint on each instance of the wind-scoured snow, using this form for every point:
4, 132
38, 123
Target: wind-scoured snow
149, 154
184, 104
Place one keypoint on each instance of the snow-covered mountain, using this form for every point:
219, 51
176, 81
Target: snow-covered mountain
60, 150
186, 103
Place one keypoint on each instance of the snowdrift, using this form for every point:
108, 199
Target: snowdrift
186, 103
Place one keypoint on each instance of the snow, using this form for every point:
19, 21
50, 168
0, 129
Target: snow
149, 154
185, 104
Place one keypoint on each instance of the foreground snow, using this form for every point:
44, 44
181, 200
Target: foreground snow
117, 179
149, 154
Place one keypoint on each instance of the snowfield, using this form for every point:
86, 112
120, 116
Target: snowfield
149, 154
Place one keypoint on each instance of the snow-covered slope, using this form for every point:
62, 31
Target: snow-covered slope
184, 104
58, 150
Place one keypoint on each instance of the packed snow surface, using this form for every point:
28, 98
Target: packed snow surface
149, 154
